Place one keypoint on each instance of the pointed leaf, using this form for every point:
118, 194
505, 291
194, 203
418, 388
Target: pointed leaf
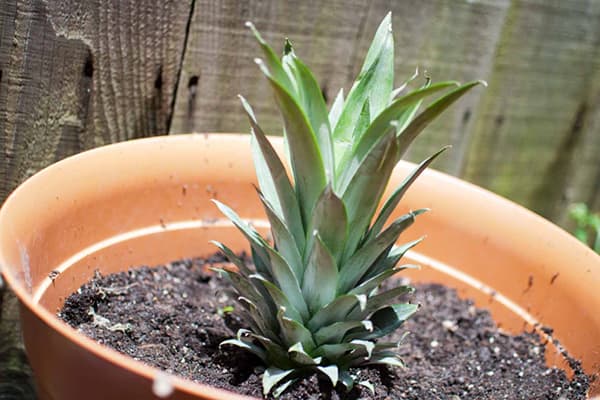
258, 244
232, 257
305, 155
332, 372
320, 278
273, 377
284, 240
382, 126
360, 263
366, 187
280, 299
404, 84
368, 385
347, 380
391, 259
388, 319
374, 82
329, 208
271, 59
335, 311
300, 356
252, 348
294, 332
313, 104
380, 300
273, 179
431, 112
368, 285
336, 109
335, 332
281, 388
394, 199
287, 282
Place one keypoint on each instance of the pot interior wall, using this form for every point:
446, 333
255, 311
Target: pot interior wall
147, 202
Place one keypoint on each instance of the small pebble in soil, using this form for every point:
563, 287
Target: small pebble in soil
172, 317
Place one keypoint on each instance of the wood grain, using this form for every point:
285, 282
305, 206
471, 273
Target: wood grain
75, 75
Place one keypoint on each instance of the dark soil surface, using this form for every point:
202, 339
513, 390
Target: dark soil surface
174, 317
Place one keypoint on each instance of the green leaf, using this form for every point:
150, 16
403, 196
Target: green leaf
287, 282
390, 261
305, 155
272, 61
347, 380
252, 348
368, 385
360, 263
329, 208
232, 257
294, 332
388, 319
382, 125
404, 84
375, 82
380, 300
273, 179
335, 332
311, 101
300, 356
258, 244
336, 109
280, 299
284, 240
362, 195
320, 278
394, 199
406, 137
335, 311
386, 358
261, 322
281, 388
272, 377
368, 284
364, 119
332, 372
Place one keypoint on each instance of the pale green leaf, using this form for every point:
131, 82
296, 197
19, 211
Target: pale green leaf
271, 59
252, 348
284, 240
406, 137
366, 187
380, 300
286, 281
320, 278
335, 311
329, 208
311, 101
360, 263
293, 332
335, 332
374, 82
273, 377
332, 372
336, 109
388, 319
305, 155
300, 356
394, 199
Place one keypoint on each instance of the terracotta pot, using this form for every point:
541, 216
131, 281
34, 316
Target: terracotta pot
147, 202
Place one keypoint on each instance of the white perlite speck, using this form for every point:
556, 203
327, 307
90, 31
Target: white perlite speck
162, 387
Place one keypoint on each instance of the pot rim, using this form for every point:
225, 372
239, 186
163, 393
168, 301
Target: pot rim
182, 384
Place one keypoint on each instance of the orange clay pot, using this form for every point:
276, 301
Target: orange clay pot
147, 202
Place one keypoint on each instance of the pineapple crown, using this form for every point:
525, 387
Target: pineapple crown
312, 300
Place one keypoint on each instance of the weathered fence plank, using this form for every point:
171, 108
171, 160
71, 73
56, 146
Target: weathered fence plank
75, 75
534, 139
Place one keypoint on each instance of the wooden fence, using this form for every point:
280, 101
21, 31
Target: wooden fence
78, 74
